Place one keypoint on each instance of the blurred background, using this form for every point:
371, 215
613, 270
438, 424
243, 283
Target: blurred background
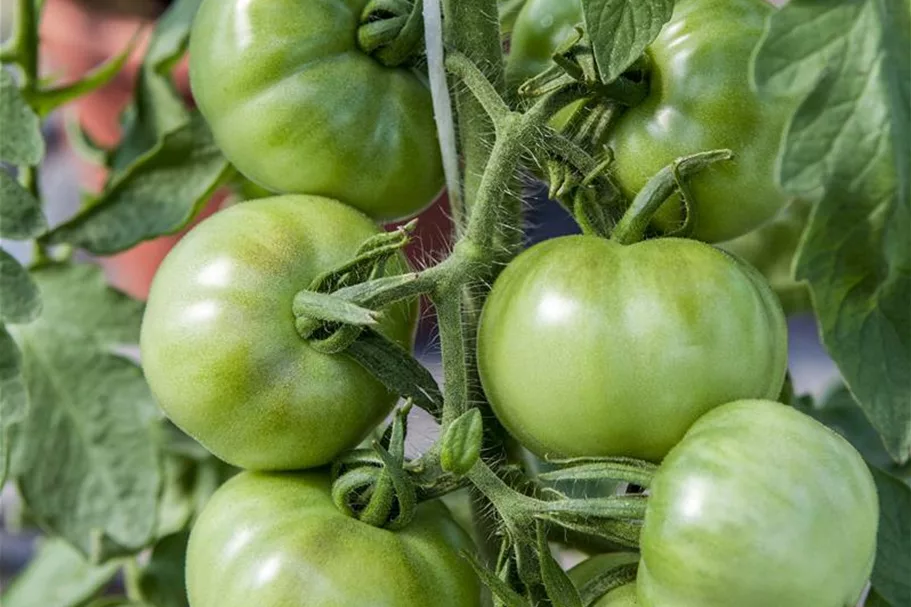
78, 35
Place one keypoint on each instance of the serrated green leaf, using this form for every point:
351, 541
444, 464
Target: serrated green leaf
20, 214
21, 142
46, 100
58, 576
397, 370
13, 395
848, 145
162, 582
86, 457
20, 301
158, 109
620, 31
159, 194
892, 571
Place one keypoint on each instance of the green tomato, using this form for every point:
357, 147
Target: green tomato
771, 248
296, 106
758, 505
219, 346
277, 540
624, 596
540, 28
590, 348
701, 100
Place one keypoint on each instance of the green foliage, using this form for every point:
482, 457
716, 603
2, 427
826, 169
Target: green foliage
86, 458
847, 146
58, 576
892, 571
116, 488
21, 142
621, 30
20, 212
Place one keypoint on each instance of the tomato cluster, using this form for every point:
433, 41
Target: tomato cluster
668, 350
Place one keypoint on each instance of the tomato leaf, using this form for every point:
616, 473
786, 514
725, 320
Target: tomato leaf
157, 109
158, 194
162, 582
58, 576
847, 147
20, 213
21, 142
892, 571
620, 30
13, 395
85, 458
166, 165
19, 298
397, 370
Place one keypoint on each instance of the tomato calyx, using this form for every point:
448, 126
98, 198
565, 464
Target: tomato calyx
392, 31
670, 180
331, 317
602, 574
574, 64
371, 485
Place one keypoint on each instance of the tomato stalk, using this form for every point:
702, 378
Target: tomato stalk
670, 180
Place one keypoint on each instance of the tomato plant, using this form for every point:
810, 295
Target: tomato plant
297, 107
219, 347
701, 99
758, 474
587, 347
278, 539
604, 392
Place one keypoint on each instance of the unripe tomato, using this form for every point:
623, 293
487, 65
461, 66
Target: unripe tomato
277, 540
297, 107
758, 505
590, 348
219, 345
700, 100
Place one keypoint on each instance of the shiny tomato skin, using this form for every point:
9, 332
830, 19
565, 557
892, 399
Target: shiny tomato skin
758, 505
277, 540
590, 348
219, 346
701, 99
298, 107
